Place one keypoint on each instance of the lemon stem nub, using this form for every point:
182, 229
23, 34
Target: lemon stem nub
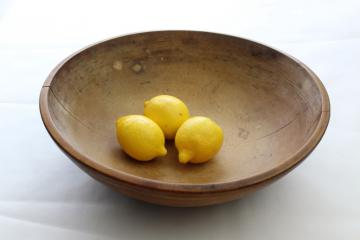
184, 157
162, 151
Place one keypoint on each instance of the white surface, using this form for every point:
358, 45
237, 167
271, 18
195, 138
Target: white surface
45, 196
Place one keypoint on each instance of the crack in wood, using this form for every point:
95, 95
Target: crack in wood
280, 128
69, 111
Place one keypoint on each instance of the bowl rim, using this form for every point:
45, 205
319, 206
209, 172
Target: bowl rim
286, 165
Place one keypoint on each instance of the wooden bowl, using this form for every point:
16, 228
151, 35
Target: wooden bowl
272, 108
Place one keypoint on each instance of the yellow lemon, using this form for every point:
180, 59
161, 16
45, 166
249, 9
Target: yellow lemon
140, 137
168, 112
198, 140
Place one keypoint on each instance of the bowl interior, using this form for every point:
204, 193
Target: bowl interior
267, 104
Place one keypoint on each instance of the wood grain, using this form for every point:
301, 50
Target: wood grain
272, 108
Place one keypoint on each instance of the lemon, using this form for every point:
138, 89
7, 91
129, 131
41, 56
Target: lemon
140, 137
168, 112
198, 140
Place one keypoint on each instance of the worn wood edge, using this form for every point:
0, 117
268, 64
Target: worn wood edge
296, 158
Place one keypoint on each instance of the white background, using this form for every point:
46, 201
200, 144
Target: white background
45, 196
